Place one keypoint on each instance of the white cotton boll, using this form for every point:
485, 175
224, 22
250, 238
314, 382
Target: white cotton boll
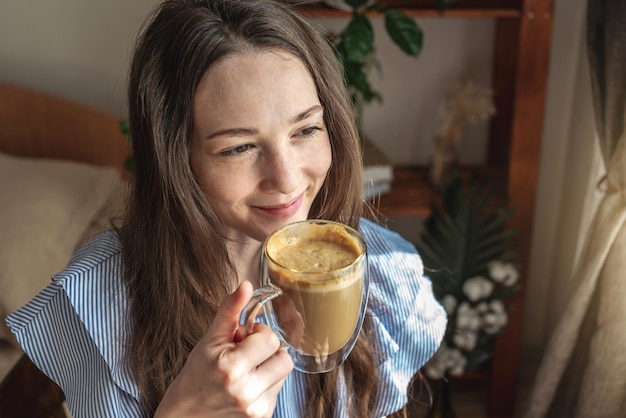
513, 275
435, 370
444, 360
490, 319
477, 288
468, 318
463, 315
465, 340
492, 329
459, 340
455, 355
497, 306
464, 308
472, 340
497, 271
494, 321
482, 307
449, 303
504, 273
459, 362
475, 323
438, 364
457, 371
433, 373
459, 367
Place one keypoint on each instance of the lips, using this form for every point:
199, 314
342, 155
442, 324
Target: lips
282, 210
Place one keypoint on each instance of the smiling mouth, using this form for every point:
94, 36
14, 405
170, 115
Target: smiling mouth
283, 210
285, 205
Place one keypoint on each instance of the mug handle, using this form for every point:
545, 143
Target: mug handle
259, 297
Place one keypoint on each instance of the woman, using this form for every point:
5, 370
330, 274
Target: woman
241, 123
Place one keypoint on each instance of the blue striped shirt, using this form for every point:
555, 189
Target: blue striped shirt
75, 329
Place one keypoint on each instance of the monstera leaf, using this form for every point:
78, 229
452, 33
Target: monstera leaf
464, 233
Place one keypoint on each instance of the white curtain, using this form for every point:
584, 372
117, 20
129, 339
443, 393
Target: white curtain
583, 371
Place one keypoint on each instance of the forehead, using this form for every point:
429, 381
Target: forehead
255, 83
249, 66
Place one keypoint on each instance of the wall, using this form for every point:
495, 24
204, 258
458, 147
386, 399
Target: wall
404, 124
76, 49
79, 50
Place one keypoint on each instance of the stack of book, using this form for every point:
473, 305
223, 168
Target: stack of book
377, 170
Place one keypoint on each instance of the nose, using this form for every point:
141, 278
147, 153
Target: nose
281, 172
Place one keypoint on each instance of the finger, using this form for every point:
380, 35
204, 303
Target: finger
276, 368
260, 344
226, 322
273, 374
253, 350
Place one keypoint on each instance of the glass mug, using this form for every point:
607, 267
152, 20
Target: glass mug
314, 290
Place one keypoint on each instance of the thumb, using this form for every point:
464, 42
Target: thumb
226, 322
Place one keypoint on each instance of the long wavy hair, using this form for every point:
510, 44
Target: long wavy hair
176, 266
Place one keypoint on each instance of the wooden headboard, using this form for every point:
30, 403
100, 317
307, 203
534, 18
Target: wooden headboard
36, 124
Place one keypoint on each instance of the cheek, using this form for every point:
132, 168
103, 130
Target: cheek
217, 189
222, 191
327, 162
321, 161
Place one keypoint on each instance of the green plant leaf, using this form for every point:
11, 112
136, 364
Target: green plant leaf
358, 38
465, 233
355, 4
404, 32
509, 235
442, 5
129, 163
125, 128
356, 77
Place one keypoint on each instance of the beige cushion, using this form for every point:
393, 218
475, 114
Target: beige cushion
47, 207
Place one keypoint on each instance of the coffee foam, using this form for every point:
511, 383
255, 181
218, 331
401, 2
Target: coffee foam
317, 282
321, 281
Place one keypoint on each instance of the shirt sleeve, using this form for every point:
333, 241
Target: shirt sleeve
71, 331
408, 321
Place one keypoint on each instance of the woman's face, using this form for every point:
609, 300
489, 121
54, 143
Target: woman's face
260, 149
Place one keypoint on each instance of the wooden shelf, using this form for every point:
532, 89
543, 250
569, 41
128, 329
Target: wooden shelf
27, 392
427, 8
412, 193
522, 43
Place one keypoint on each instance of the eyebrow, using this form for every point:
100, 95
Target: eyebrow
248, 131
307, 113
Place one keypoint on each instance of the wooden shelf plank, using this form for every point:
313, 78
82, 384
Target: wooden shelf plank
426, 8
411, 194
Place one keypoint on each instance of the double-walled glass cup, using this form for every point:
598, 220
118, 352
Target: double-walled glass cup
314, 290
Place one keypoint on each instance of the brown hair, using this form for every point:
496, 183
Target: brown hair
175, 261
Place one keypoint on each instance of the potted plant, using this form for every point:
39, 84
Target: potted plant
470, 256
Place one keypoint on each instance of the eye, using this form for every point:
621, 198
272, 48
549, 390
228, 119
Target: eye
235, 151
309, 131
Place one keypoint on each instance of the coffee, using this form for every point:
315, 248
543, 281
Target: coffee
322, 284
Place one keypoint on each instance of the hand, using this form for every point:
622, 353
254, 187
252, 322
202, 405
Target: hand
289, 320
223, 377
